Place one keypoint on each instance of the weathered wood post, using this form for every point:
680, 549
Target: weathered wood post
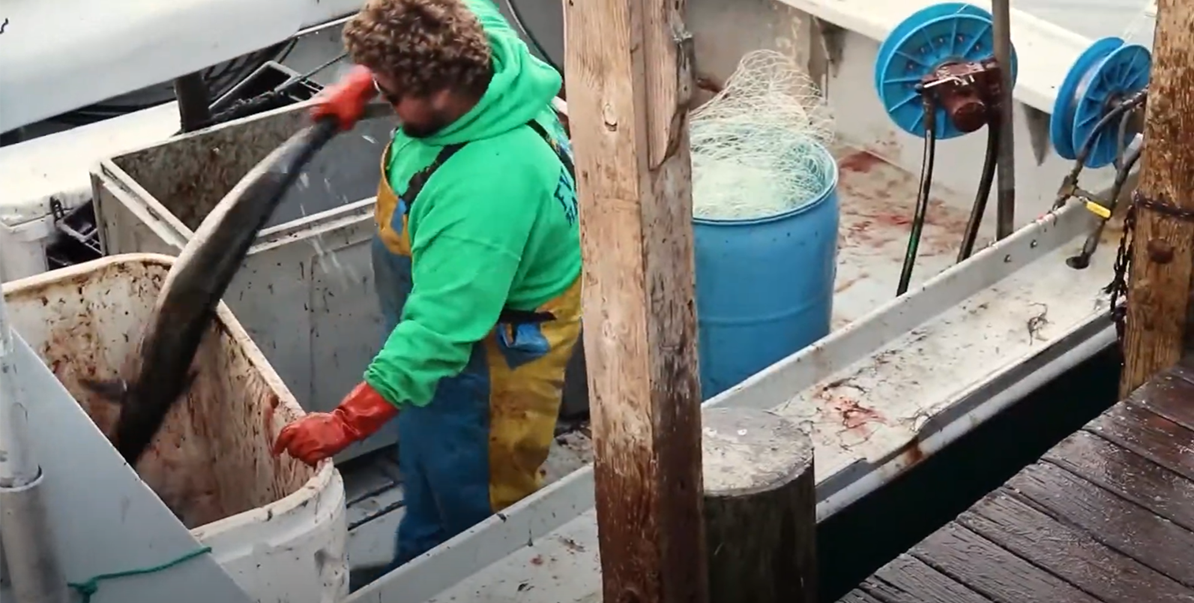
1159, 285
629, 83
760, 508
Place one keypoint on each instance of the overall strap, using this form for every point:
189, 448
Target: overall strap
555, 147
416, 183
523, 316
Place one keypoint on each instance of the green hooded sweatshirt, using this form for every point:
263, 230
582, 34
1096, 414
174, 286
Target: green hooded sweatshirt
495, 227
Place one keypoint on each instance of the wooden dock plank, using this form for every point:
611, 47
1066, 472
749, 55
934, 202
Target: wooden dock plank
1130, 476
1106, 516
1147, 435
1069, 553
909, 580
858, 596
992, 570
1169, 395
1156, 421
1110, 519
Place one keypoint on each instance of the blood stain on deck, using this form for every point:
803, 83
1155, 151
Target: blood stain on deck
878, 205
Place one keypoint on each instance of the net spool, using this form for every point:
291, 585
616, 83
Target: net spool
950, 32
1108, 71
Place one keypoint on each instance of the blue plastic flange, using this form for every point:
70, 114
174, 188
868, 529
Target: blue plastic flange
1061, 122
910, 24
930, 37
1107, 71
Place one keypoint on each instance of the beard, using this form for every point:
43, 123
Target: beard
423, 130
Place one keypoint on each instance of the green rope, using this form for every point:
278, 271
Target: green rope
89, 587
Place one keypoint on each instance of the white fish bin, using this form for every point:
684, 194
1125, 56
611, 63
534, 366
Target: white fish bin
277, 526
305, 291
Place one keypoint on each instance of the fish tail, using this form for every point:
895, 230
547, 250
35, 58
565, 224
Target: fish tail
109, 390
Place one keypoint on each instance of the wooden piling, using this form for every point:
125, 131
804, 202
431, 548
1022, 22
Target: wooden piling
628, 88
760, 508
1159, 285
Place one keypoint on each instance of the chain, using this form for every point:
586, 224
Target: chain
1118, 288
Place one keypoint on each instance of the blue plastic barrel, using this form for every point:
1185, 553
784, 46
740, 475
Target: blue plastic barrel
764, 286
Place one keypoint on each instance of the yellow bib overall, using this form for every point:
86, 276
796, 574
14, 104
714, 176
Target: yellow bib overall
476, 448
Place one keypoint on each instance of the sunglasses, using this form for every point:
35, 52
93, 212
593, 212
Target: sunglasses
390, 97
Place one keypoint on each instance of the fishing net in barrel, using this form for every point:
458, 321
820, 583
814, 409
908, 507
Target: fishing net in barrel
759, 147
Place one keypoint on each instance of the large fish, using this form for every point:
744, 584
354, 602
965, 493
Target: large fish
193, 288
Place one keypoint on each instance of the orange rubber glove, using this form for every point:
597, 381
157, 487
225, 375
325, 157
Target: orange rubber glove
321, 435
345, 100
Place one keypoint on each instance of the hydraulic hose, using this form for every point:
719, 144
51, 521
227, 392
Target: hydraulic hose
1116, 112
1120, 112
922, 198
979, 208
1125, 160
1128, 161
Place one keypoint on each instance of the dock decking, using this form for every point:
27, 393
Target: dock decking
1106, 516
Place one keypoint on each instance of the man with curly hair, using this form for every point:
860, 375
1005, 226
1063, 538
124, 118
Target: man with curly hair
478, 231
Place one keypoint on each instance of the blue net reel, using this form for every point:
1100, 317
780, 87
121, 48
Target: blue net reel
952, 32
1103, 75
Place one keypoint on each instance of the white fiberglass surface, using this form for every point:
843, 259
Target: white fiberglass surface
1094, 19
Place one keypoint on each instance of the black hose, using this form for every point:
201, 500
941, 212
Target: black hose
1121, 176
922, 198
1121, 139
984, 191
1128, 161
1118, 111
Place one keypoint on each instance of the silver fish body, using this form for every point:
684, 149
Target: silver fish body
193, 288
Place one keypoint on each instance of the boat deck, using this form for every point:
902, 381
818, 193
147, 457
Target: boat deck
874, 408
886, 389
374, 495
876, 199
1107, 516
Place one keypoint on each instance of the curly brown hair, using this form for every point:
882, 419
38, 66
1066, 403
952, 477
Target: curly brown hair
423, 46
